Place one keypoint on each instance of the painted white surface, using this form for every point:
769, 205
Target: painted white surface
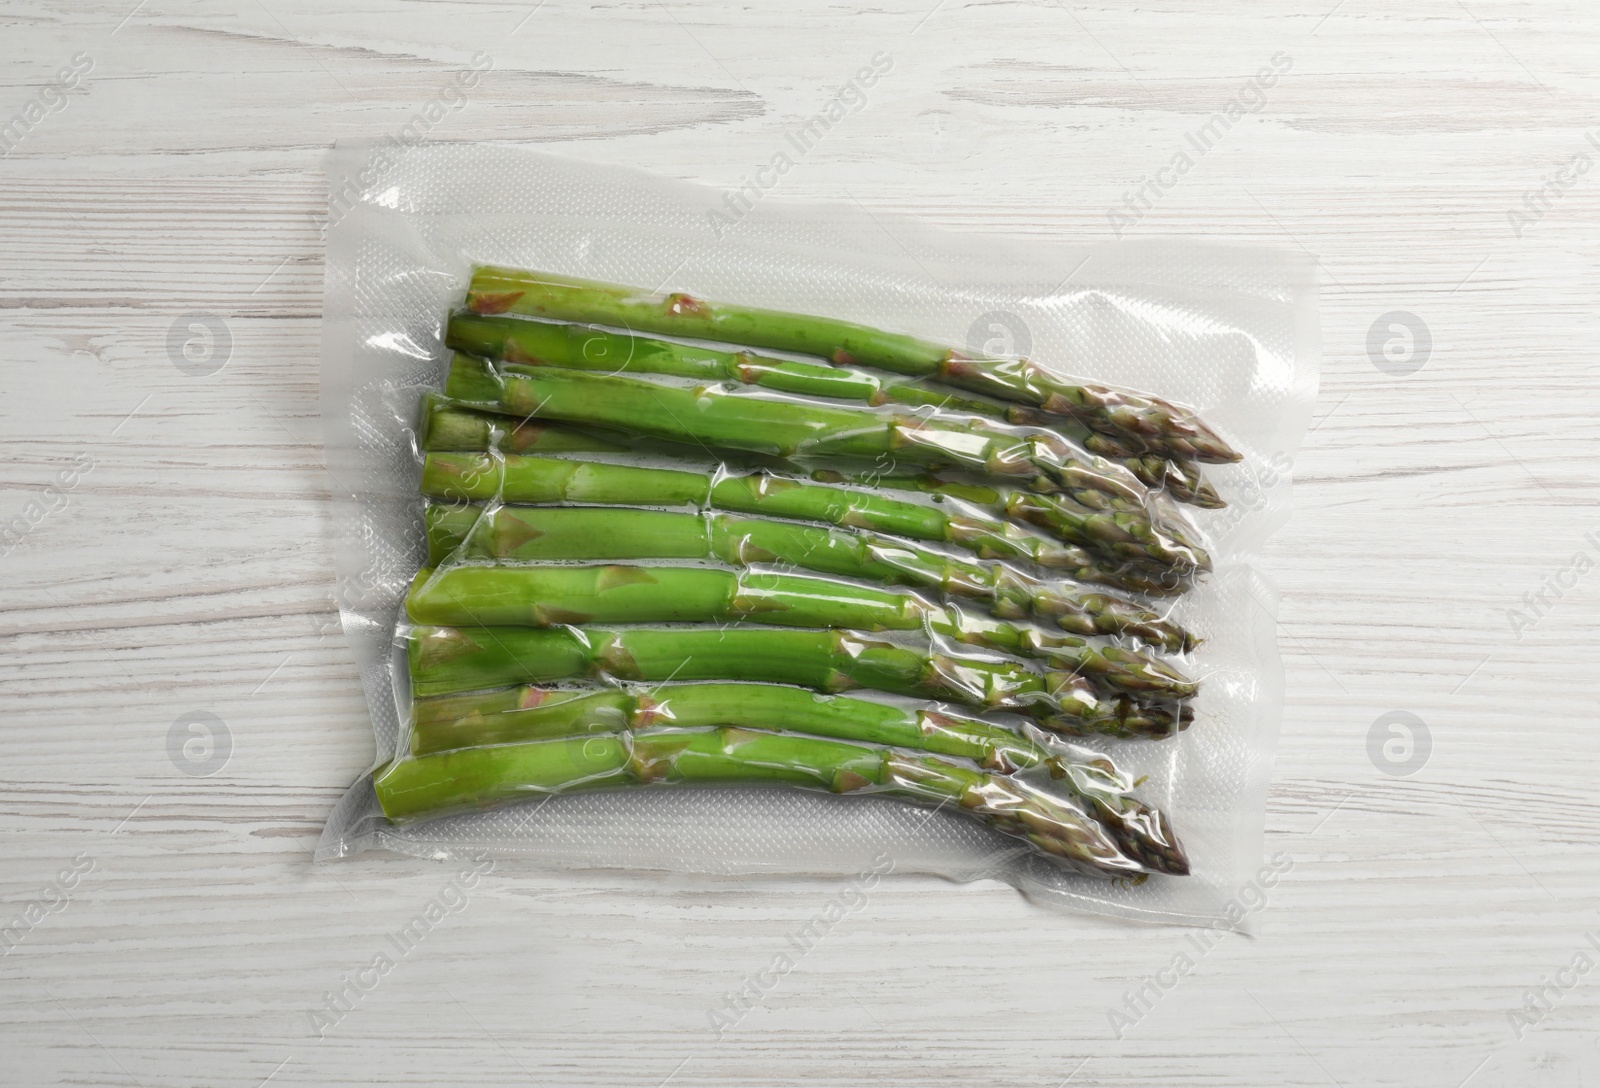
187, 570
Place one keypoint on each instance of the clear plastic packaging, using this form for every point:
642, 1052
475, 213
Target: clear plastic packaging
756, 480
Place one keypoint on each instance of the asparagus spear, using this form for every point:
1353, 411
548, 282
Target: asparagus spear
1177, 476
522, 714
484, 477
445, 426
1102, 527
1150, 423
429, 786
541, 596
1111, 517
715, 417
455, 723
587, 347
445, 660
1067, 519
589, 533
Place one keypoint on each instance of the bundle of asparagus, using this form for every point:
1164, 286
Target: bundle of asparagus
1143, 423
653, 562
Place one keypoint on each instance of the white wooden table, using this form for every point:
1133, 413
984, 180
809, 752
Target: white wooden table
184, 568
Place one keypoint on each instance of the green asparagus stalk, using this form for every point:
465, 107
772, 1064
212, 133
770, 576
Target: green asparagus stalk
592, 533
1063, 517
1168, 553
448, 660
1068, 520
523, 714
519, 479
474, 778
1152, 424
1112, 518
1177, 476
587, 347
445, 426
455, 723
715, 417
542, 596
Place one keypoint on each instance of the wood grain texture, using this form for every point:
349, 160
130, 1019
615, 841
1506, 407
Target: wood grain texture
188, 569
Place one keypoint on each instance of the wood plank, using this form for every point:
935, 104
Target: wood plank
190, 569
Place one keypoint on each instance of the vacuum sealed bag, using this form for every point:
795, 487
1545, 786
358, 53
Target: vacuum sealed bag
681, 531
